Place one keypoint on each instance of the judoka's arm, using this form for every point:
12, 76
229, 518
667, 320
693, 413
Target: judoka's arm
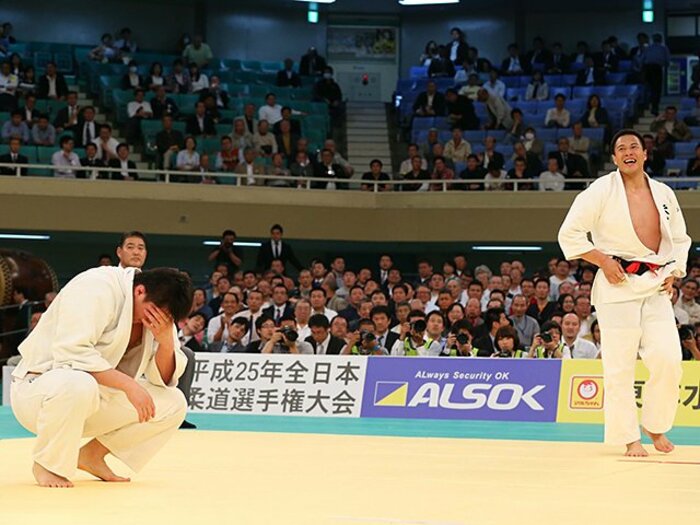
161, 325
681, 240
137, 395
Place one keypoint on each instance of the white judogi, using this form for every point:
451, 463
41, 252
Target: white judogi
87, 329
634, 316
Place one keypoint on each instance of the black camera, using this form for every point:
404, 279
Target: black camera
462, 339
367, 337
546, 337
419, 325
289, 333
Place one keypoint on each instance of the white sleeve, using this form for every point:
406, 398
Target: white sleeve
153, 373
681, 240
213, 327
398, 348
581, 219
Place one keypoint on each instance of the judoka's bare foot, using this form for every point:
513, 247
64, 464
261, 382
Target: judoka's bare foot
661, 442
636, 450
92, 460
46, 478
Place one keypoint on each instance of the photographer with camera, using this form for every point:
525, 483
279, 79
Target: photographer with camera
508, 343
416, 340
689, 345
363, 341
285, 340
462, 346
547, 344
228, 254
264, 329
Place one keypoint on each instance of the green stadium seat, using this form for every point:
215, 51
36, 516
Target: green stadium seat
186, 103
208, 145
41, 58
251, 65
64, 61
223, 129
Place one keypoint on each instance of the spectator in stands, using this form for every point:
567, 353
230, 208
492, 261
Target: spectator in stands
279, 168
106, 51
525, 325
590, 75
132, 79
27, 83
440, 173
199, 82
6, 33
162, 104
539, 57
43, 133
155, 78
533, 165
514, 63
693, 167
490, 154
271, 111
441, 66
579, 57
329, 169
287, 77
561, 274
302, 167
227, 157
53, 84
87, 129
263, 141
457, 149
676, 128
217, 91
250, 168
375, 175
311, 63
106, 144
572, 166
559, 62
517, 129
188, 158
294, 124
537, 89
439, 151
541, 309
654, 59
429, 103
67, 117
552, 179
65, 159
200, 123
416, 173
241, 137
15, 128
29, 112
688, 302
169, 142
663, 144
473, 172
575, 347
463, 74
471, 89
429, 52
532, 143
457, 47
9, 82
179, 81
498, 110
427, 147
92, 160
407, 164
13, 156
495, 177
126, 44
482, 65
328, 90
519, 172
596, 116
198, 52
558, 116
286, 141
495, 86
694, 92
123, 163
579, 144
656, 162
337, 157
607, 60
137, 110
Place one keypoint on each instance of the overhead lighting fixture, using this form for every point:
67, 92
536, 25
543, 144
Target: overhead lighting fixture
487, 248
318, 1
237, 243
24, 237
427, 2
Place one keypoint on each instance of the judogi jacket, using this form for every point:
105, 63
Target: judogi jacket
88, 326
603, 211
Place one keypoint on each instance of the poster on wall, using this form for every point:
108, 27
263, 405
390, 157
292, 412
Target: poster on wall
371, 44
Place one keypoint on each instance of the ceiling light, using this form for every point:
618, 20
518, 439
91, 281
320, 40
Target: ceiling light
427, 2
318, 1
237, 243
24, 237
487, 248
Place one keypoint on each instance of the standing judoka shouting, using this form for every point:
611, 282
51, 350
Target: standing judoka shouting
103, 362
639, 242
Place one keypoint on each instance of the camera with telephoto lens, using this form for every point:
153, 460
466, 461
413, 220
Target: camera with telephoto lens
419, 325
290, 334
367, 337
546, 337
462, 338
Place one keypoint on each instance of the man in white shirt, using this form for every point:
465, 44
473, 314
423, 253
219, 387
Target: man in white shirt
302, 313
687, 301
561, 274
552, 179
254, 311
495, 86
457, 149
272, 111
574, 346
681, 315
407, 165
558, 116
65, 159
138, 109
582, 308
218, 327
318, 304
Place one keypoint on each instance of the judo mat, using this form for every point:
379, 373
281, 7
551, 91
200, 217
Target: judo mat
251, 470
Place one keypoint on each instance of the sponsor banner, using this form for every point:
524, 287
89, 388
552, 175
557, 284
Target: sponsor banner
582, 397
278, 384
440, 388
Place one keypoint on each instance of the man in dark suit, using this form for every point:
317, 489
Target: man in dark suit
91, 160
168, 142
67, 117
52, 84
514, 63
200, 123
280, 307
606, 59
590, 75
494, 319
286, 140
122, 161
276, 248
572, 166
321, 339
29, 112
430, 103
294, 124
381, 317
558, 61
86, 130
287, 77
460, 111
539, 56
327, 169
457, 49
14, 157
265, 328
312, 63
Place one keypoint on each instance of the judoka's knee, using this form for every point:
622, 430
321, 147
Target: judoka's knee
173, 404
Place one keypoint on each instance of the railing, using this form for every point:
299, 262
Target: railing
353, 184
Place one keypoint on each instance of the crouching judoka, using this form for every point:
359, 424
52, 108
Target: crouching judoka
639, 242
103, 362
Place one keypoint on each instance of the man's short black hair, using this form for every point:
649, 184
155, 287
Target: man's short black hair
548, 325
401, 286
242, 321
623, 133
133, 233
261, 321
276, 227
542, 280
167, 288
493, 315
380, 309
229, 232
358, 287
319, 321
65, 139
476, 283
318, 289
104, 256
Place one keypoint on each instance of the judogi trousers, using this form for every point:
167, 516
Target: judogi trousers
63, 406
645, 326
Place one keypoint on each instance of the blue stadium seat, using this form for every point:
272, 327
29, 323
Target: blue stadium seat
441, 123
422, 123
627, 90
443, 84
687, 103
511, 82
616, 78
568, 80
624, 66
498, 134
419, 137
546, 135
676, 168
695, 131
460, 167
528, 106
403, 85
582, 91
685, 149
474, 136
577, 66
595, 134
559, 90
553, 80
444, 135
604, 91
251, 65
418, 72
515, 93
504, 149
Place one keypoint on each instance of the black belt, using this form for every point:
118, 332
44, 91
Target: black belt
639, 267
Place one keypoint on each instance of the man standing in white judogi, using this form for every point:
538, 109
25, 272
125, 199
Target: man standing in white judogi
103, 362
638, 240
